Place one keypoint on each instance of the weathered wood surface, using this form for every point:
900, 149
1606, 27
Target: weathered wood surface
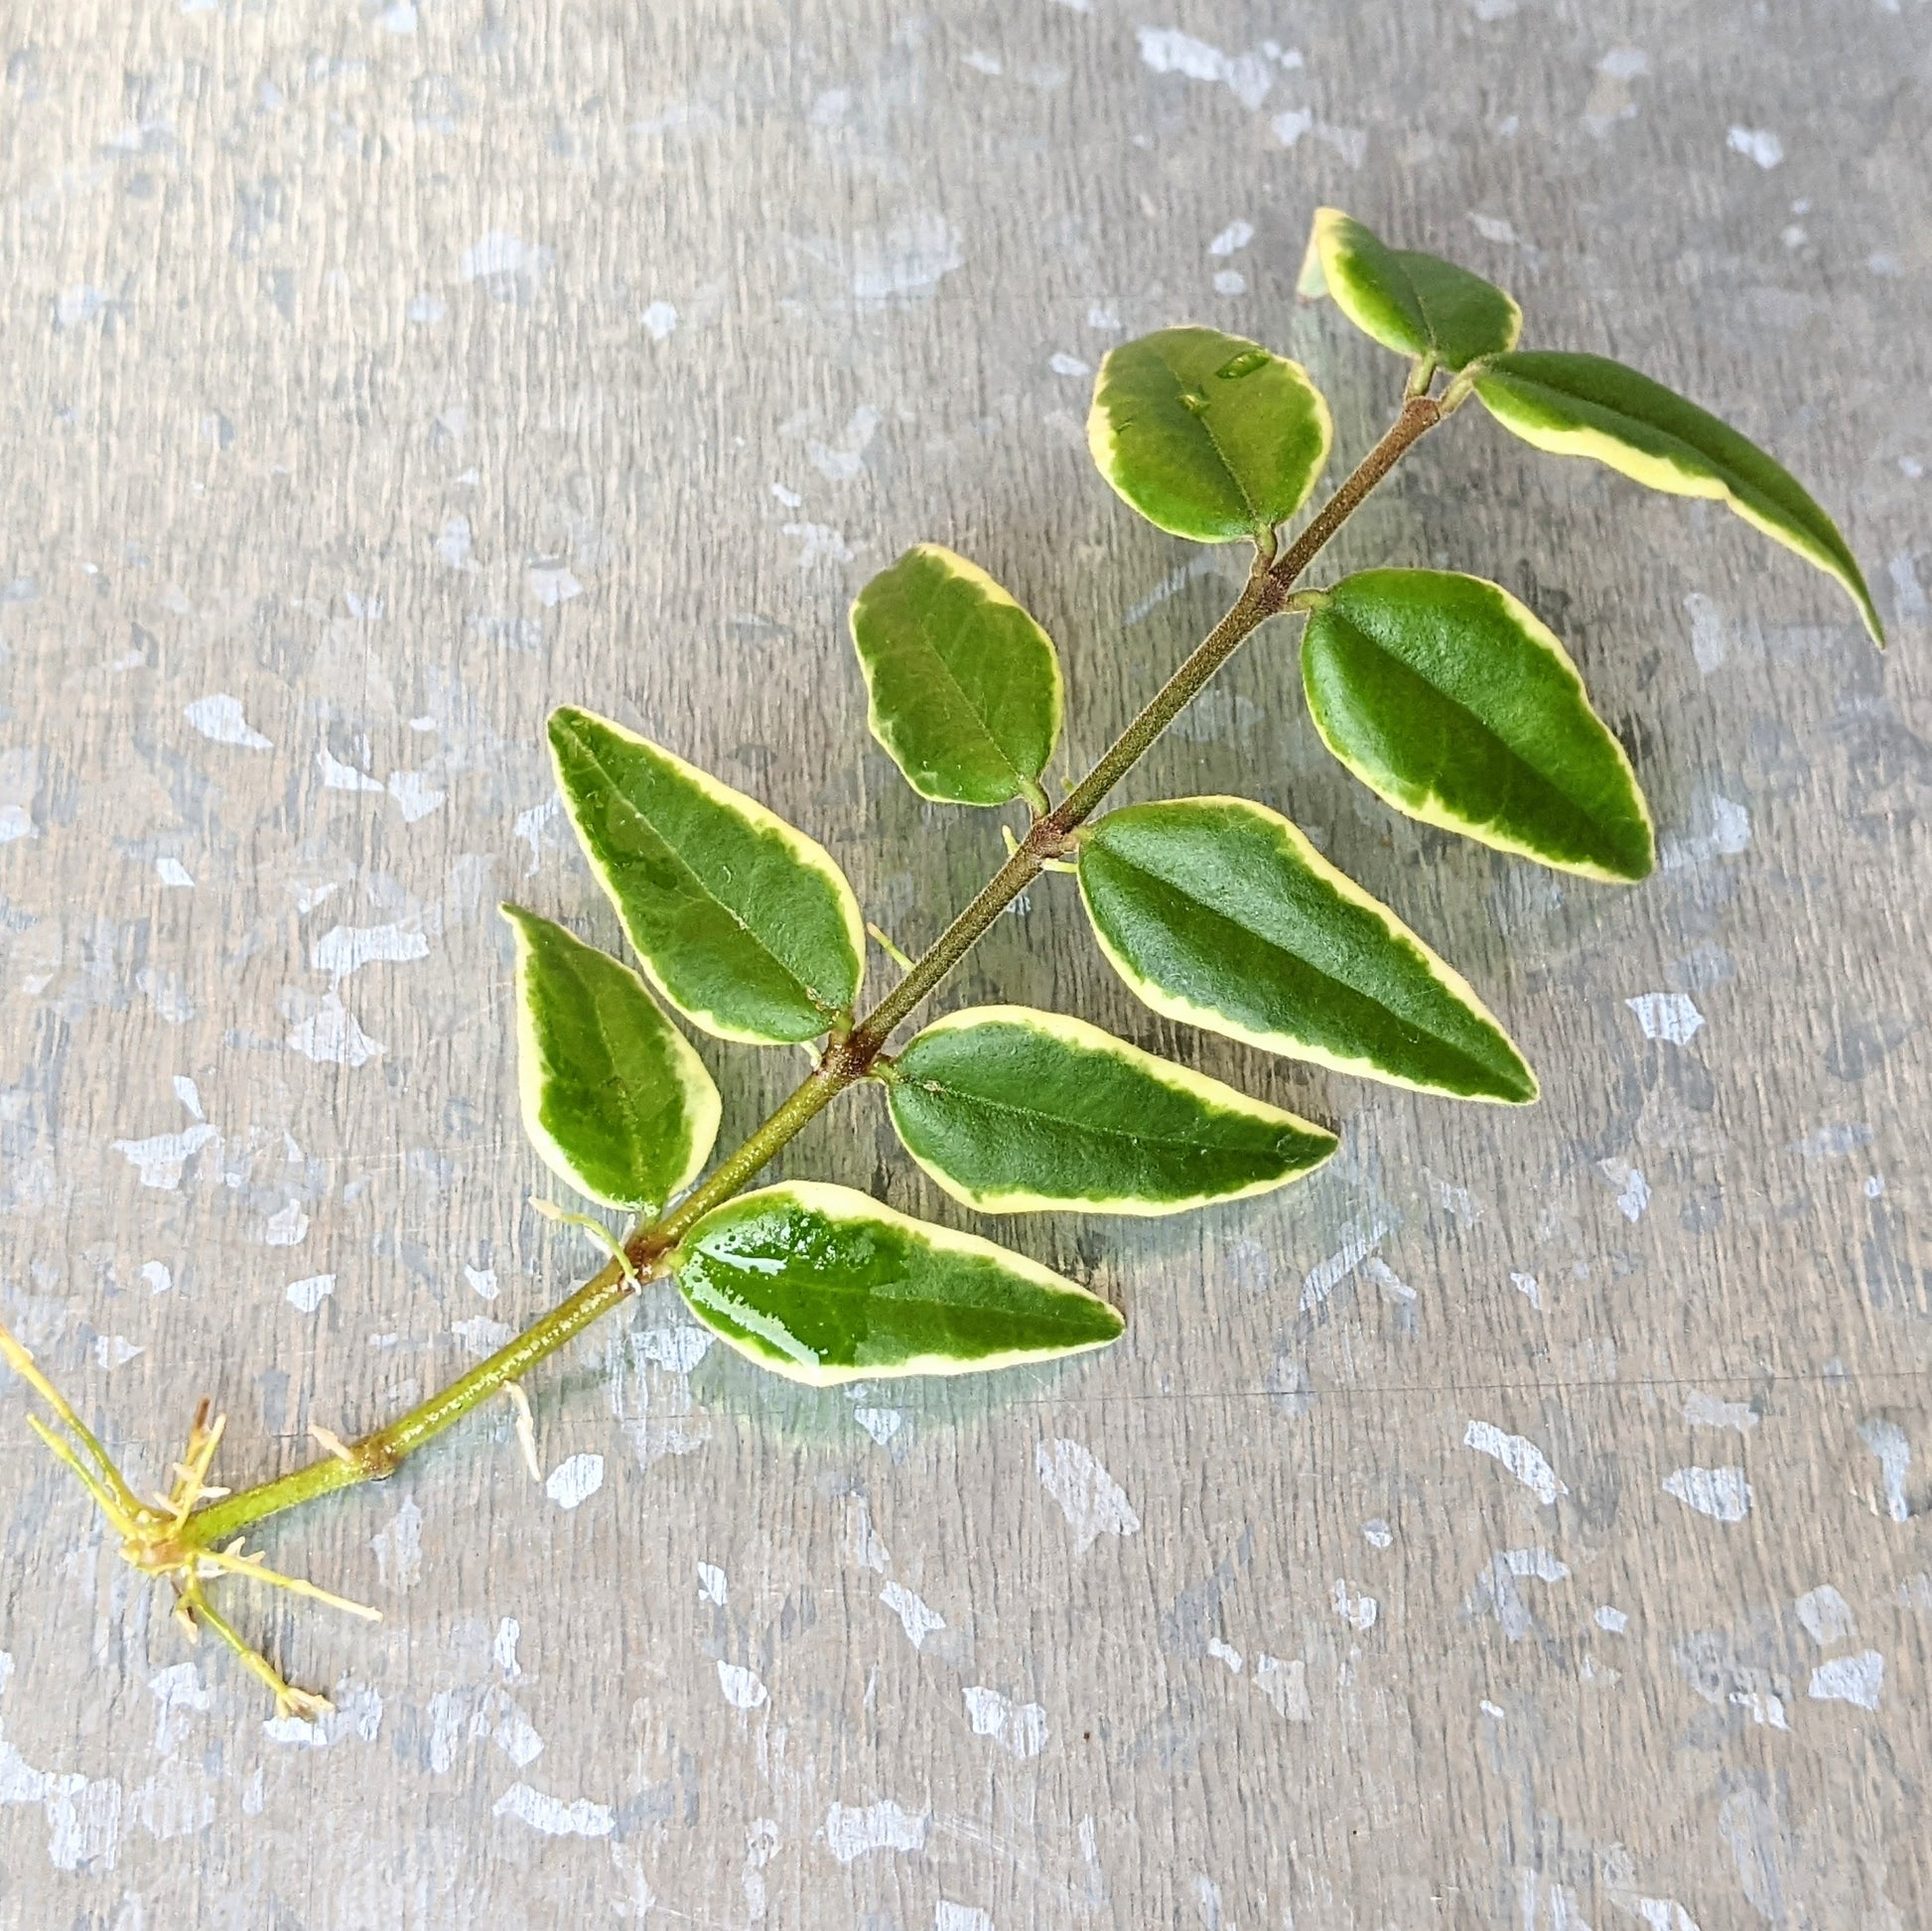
389, 375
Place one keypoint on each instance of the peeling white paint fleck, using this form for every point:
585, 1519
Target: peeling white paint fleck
1093, 1503
219, 718
1849, 1679
1825, 1616
1359, 1239
742, 1687
1520, 1456
854, 1832
415, 796
1888, 1441
399, 1548
1167, 50
915, 1618
162, 1155
573, 1482
1757, 144
337, 776
552, 1815
1672, 1018
1720, 1494
1359, 1611
1633, 1190
1707, 1411
1020, 1728
510, 1634
344, 949
1284, 1682
330, 1036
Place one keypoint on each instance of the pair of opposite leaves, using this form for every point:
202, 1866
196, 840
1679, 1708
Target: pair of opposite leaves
1442, 692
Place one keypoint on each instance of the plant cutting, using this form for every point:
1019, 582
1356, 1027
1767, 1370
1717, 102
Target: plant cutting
1442, 693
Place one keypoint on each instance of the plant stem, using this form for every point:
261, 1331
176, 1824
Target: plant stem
845, 1060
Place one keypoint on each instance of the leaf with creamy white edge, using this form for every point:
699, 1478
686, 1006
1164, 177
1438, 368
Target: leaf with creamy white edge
1452, 702
823, 1285
965, 686
1415, 303
1220, 913
613, 1098
1588, 405
1208, 436
743, 922
1017, 1111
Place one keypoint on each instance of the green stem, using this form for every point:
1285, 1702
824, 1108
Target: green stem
848, 1059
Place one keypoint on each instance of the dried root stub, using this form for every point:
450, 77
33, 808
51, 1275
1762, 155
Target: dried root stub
157, 1537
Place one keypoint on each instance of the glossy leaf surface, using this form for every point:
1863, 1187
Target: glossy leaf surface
965, 686
613, 1098
824, 1285
1415, 303
1588, 405
1219, 913
1016, 1111
744, 923
1208, 436
1451, 701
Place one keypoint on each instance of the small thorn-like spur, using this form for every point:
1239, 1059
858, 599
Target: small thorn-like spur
158, 1538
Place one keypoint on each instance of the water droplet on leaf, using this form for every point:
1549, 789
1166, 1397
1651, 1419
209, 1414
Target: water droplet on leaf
1242, 365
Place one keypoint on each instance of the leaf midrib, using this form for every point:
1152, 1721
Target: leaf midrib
1799, 516
1451, 1046
731, 912
1181, 388
1081, 1125
1495, 737
1049, 1302
973, 711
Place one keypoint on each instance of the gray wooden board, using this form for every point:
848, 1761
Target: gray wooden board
375, 378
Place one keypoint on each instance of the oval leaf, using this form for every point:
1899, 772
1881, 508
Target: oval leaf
1588, 405
1208, 436
965, 686
1016, 1111
824, 1285
614, 1100
1218, 911
1449, 701
745, 924
1417, 305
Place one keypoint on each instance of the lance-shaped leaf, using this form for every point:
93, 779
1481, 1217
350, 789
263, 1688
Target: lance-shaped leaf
965, 686
1417, 305
1208, 436
613, 1098
1016, 1111
1586, 405
744, 923
1447, 699
1218, 911
824, 1285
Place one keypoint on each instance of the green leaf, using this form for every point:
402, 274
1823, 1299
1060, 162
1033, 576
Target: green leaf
824, 1285
1208, 436
1586, 405
965, 686
1016, 1111
1448, 700
745, 924
614, 1100
1417, 305
1218, 911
